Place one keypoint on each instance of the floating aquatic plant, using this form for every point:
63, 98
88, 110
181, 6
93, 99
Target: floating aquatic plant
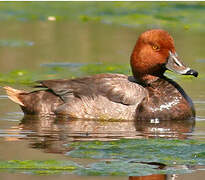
186, 15
137, 157
70, 70
39, 167
56, 71
102, 168
169, 152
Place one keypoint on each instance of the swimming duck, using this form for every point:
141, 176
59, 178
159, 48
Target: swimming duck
148, 94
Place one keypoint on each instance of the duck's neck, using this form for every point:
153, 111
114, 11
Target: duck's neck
147, 79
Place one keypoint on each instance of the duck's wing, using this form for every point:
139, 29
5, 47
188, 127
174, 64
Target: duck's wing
69, 88
123, 91
116, 87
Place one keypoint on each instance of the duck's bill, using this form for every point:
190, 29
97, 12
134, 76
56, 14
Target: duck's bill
174, 64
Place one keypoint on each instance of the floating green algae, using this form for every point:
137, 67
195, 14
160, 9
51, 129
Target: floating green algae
106, 68
57, 71
127, 168
117, 168
72, 70
39, 167
29, 77
137, 157
186, 15
169, 152
102, 168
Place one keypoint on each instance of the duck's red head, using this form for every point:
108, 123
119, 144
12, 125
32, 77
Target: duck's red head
153, 54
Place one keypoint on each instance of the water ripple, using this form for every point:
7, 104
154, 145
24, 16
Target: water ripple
198, 118
3, 96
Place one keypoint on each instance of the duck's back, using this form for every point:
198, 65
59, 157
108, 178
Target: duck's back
102, 96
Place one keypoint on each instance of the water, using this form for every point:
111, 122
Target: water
29, 45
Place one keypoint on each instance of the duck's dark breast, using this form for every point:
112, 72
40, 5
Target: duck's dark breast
166, 101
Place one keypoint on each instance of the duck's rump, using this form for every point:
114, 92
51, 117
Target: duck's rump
104, 96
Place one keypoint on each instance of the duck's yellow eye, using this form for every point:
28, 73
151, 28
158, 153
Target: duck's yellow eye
155, 47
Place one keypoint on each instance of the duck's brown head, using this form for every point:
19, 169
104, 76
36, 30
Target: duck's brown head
153, 54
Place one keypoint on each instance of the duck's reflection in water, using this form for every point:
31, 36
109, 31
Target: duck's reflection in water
63, 129
51, 133
177, 129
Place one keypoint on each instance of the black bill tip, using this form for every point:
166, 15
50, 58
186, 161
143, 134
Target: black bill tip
192, 72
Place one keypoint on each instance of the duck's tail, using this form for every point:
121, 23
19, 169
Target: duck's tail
14, 95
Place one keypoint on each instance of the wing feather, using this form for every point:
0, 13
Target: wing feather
116, 87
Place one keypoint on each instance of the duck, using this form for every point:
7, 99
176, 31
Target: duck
146, 95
